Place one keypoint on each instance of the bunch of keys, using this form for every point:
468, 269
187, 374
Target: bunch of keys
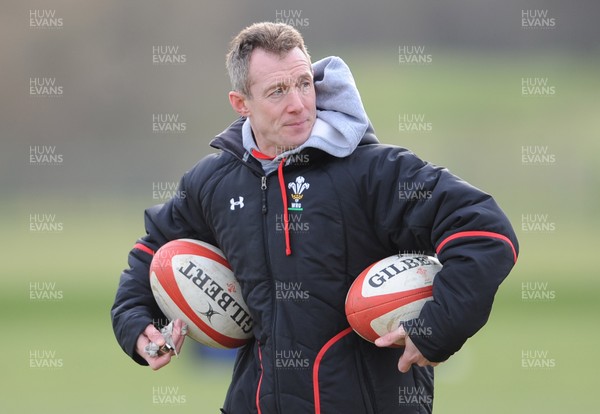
153, 350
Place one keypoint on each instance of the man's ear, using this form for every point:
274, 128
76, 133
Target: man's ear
238, 103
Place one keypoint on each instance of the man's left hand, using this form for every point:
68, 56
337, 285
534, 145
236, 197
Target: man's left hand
411, 354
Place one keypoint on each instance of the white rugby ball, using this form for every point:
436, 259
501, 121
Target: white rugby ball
192, 281
389, 292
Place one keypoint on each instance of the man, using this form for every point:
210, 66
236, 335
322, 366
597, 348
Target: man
322, 200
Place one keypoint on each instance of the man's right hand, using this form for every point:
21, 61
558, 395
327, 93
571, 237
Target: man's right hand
151, 334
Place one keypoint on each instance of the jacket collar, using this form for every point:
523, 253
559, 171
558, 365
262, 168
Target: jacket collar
230, 140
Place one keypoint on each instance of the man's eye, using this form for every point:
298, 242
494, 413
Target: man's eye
305, 86
276, 92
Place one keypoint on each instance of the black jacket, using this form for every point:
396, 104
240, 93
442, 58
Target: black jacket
377, 202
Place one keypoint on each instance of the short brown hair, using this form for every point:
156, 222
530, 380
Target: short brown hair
276, 38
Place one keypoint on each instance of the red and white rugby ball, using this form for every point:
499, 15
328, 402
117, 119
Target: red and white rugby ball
389, 292
192, 281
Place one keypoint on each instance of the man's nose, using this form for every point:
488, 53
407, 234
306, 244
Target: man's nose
295, 103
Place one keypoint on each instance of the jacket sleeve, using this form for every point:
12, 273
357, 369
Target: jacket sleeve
134, 307
418, 205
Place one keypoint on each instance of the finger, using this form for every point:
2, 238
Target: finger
140, 346
395, 337
178, 336
151, 334
154, 335
179, 328
407, 359
410, 356
389, 339
154, 362
157, 363
404, 365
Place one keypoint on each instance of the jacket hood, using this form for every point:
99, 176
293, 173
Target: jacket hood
341, 118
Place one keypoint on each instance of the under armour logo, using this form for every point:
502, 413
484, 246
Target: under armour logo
239, 203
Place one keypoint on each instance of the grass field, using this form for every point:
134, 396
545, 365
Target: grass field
535, 355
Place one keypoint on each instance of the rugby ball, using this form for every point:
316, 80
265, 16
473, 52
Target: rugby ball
192, 281
390, 292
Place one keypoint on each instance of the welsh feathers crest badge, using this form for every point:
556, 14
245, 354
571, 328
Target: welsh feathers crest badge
298, 187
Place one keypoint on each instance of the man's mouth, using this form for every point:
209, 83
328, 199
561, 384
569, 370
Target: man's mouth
295, 124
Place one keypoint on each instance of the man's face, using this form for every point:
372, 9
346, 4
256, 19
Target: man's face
282, 107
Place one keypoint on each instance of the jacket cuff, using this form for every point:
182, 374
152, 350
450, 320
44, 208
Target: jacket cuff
132, 329
422, 336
